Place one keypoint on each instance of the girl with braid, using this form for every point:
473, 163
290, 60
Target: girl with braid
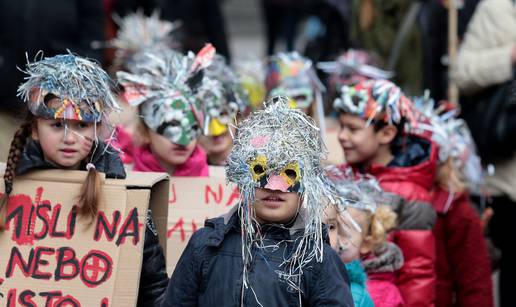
69, 99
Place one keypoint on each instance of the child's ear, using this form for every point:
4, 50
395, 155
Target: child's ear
387, 134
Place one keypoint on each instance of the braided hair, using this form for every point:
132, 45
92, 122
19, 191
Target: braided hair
15, 152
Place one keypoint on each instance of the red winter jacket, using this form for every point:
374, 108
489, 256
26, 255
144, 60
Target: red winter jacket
463, 265
411, 176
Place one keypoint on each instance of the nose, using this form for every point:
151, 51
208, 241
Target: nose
277, 183
69, 137
343, 135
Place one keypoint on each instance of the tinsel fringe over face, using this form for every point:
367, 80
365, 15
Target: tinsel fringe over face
281, 136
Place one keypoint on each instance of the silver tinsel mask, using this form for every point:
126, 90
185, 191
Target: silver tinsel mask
280, 148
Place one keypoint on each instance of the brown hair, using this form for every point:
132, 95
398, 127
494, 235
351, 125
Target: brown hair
89, 197
15, 152
448, 177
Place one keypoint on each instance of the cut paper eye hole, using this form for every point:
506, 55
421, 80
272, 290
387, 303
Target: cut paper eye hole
291, 173
258, 167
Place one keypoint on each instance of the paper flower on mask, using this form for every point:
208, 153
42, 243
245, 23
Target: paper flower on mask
165, 89
280, 148
68, 87
221, 96
376, 100
138, 34
453, 138
293, 76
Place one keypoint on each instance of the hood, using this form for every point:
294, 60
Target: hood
105, 159
386, 259
414, 163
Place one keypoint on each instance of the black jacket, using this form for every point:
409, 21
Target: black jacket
153, 278
209, 272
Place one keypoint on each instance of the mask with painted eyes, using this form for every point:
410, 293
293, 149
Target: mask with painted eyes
284, 179
68, 87
291, 75
221, 96
280, 148
165, 89
174, 118
299, 97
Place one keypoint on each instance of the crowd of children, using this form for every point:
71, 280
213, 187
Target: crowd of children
390, 226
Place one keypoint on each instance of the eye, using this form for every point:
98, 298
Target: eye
83, 125
57, 124
292, 174
258, 169
331, 226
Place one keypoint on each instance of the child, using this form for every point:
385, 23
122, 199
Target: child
293, 76
164, 86
223, 99
69, 99
373, 116
463, 265
359, 233
269, 250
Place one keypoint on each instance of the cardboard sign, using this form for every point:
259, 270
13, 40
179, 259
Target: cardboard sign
192, 201
51, 256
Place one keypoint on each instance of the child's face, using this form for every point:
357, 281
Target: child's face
217, 144
276, 207
361, 143
168, 152
64, 142
344, 237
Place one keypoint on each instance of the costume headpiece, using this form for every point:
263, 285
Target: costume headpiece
378, 100
352, 67
164, 86
280, 148
453, 137
138, 34
291, 75
252, 76
221, 96
68, 87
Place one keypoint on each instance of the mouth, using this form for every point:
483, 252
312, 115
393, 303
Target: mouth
179, 149
68, 150
273, 201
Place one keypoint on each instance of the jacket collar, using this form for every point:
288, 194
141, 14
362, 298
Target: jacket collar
222, 225
105, 159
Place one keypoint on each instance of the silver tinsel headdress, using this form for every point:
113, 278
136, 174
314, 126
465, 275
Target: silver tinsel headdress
453, 138
222, 97
138, 34
280, 148
83, 90
165, 86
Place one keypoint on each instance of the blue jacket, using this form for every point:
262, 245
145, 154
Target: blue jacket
209, 272
358, 277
